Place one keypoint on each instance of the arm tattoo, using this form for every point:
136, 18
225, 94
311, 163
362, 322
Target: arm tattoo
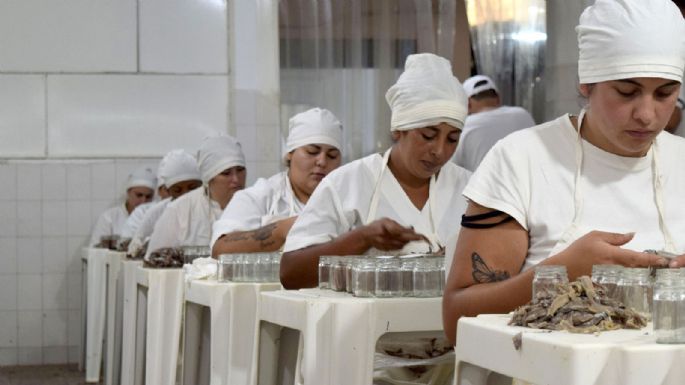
234, 237
260, 235
481, 273
263, 233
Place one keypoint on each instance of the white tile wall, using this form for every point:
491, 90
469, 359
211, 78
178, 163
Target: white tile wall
103, 182
8, 294
155, 113
54, 218
55, 255
54, 178
8, 331
8, 224
73, 329
30, 293
29, 255
8, 255
29, 218
22, 109
78, 182
55, 291
29, 181
68, 35
8, 356
78, 218
30, 328
183, 36
30, 356
55, 355
55, 328
8, 176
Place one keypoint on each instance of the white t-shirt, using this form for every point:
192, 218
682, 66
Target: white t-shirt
135, 219
483, 129
342, 201
187, 221
110, 222
530, 176
267, 201
146, 225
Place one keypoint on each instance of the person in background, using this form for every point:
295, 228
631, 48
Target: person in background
598, 188
405, 200
259, 218
187, 221
179, 171
488, 121
139, 189
135, 218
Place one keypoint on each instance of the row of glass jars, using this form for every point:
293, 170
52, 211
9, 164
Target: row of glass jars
190, 253
383, 276
249, 267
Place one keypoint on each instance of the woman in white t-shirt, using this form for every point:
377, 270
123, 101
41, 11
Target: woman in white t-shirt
259, 217
405, 200
577, 191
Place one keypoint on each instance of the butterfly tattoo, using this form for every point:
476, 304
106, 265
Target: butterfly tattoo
481, 273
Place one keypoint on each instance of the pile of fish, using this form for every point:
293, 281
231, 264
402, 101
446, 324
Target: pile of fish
165, 257
579, 307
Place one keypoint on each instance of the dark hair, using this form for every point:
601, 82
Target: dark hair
679, 3
487, 94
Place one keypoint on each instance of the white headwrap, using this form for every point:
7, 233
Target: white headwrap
314, 126
178, 166
426, 94
622, 39
218, 153
142, 177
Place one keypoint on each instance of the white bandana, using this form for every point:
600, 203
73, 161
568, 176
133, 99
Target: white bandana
178, 166
218, 153
142, 177
314, 126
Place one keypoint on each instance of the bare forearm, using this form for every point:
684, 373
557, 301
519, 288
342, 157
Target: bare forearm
264, 239
300, 268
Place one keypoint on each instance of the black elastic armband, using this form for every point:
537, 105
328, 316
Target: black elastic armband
471, 221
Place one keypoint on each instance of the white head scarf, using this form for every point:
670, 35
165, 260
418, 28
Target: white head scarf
622, 39
314, 126
426, 94
218, 153
142, 177
178, 166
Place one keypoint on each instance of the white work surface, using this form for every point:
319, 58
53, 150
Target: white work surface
233, 333
115, 298
619, 357
95, 264
338, 333
129, 364
160, 302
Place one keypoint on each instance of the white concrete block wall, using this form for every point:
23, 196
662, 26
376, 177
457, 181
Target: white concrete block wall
88, 91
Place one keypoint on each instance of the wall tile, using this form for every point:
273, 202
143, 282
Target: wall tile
55, 355
8, 223
22, 106
8, 176
103, 181
8, 356
74, 328
29, 293
73, 354
28, 181
29, 219
55, 255
29, 255
8, 293
97, 207
74, 247
55, 328
30, 356
8, 255
74, 294
30, 328
162, 112
183, 36
54, 218
260, 143
54, 182
78, 218
54, 291
68, 35
78, 182
8, 331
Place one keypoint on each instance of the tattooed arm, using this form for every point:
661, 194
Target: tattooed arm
484, 276
266, 238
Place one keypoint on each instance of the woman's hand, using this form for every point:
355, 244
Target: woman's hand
386, 234
599, 247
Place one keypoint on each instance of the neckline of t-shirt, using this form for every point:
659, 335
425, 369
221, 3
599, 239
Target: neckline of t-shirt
590, 151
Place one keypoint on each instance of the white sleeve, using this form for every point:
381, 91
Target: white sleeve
244, 212
322, 220
102, 227
502, 182
133, 221
167, 231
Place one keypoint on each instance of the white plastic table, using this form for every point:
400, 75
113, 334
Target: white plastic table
158, 323
130, 365
115, 296
620, 357
94, 261
233, 331
338, 333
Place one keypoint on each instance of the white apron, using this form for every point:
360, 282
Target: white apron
273, 216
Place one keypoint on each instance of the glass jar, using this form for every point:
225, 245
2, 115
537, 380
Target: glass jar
324, 272
226, 267
349, 285
608, 276
426, 278
337, 274
668, 307
636, 290
276, 267
364, 278
547, 279
388, 277
263, 268
407, 270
